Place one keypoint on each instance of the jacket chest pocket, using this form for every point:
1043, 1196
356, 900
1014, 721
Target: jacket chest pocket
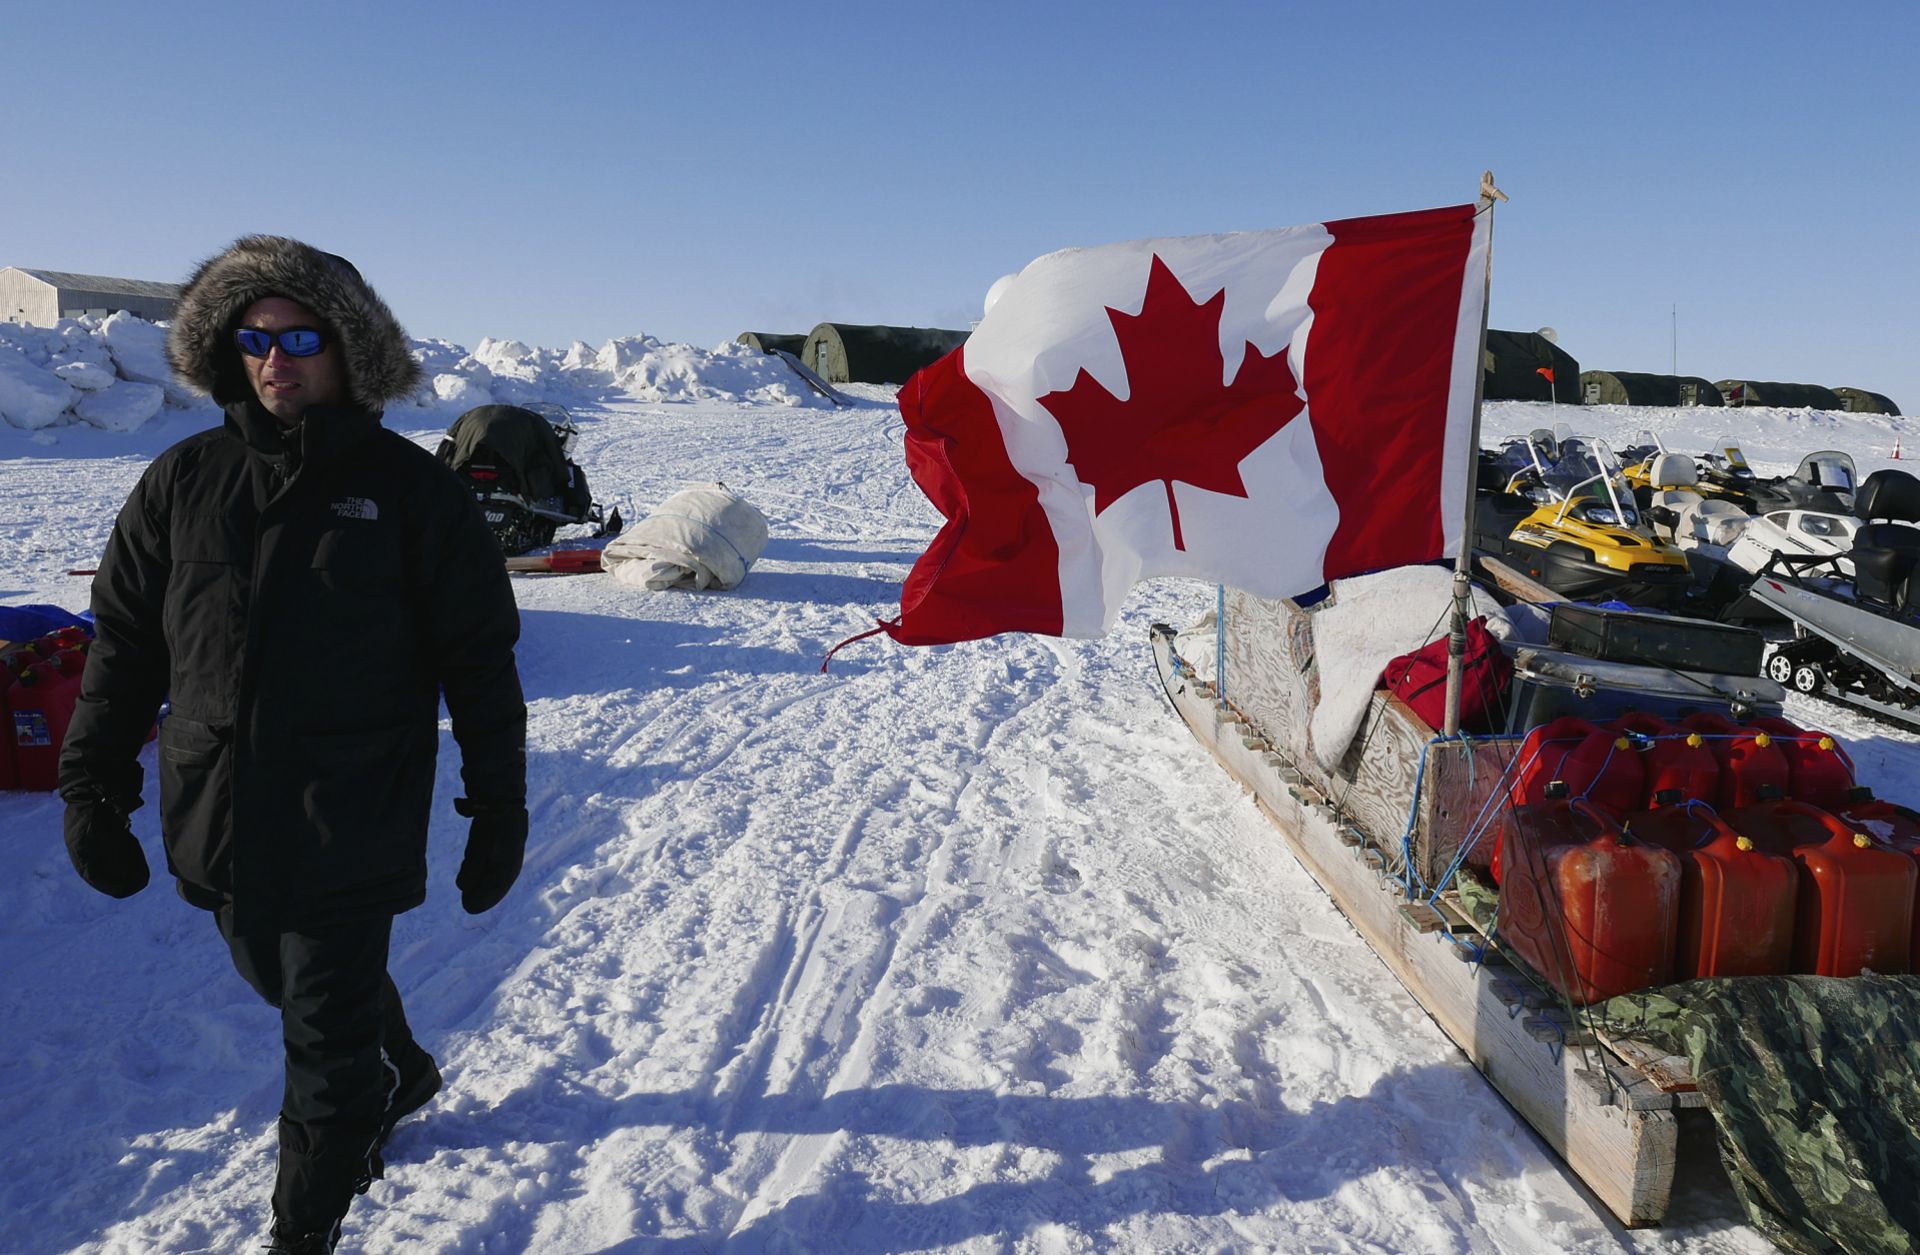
358, 558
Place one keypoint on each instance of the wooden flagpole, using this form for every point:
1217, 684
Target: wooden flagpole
1463, 563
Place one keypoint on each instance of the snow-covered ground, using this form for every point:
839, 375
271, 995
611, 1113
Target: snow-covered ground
969, 948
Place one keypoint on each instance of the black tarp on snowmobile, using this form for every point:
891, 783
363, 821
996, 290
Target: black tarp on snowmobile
515, 460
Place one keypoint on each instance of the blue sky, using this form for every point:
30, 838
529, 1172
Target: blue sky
691, 171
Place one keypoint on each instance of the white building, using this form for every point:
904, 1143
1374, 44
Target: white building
43, 297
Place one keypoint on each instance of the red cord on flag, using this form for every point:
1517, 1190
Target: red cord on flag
885, 625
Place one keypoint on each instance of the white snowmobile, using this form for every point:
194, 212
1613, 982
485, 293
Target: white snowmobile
1856, 640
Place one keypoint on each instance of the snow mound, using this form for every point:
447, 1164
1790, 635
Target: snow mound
122, 407
31, 396
680, 372
108, 372
626, 368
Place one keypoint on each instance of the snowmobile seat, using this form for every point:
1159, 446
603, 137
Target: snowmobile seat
1888, 494
1884, 556
1670, 497
1714, 522
1489, 474
1673, 470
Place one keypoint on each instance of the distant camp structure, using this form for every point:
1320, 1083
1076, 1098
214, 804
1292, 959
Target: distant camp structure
1760, 392
1860, 401
773, 341
1629, 387
1526, 366
43, 297
846, 353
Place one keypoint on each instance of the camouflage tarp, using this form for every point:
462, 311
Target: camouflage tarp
1815, 1086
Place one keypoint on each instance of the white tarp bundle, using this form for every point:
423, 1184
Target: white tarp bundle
700, 537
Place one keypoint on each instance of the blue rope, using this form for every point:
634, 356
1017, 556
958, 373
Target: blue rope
1220, 639
1489, 810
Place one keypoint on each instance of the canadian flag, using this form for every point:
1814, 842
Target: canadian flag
1270, 410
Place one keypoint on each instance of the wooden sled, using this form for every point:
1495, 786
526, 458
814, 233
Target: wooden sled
1612, 1109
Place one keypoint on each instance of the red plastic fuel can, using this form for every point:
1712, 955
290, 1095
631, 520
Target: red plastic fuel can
1752, 768
1737, 901
1819, 769
1592, 909
1595, 763
1855, 906
1897, 828
1670, 758
39, 707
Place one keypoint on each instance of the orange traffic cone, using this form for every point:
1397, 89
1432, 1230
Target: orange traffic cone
1896, 448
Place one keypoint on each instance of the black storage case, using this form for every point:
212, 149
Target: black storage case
1656, 639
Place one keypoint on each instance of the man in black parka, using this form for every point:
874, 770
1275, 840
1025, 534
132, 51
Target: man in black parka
304, 586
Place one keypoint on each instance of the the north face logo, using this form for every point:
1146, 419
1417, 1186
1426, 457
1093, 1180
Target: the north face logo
356, 508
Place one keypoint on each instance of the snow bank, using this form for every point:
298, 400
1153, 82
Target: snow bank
112, 373
31, 396
635, 368
109, 373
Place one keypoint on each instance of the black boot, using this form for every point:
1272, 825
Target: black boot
415, 1081
290, 1240
321, 1169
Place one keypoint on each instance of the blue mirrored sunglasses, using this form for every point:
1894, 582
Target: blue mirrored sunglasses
293, 341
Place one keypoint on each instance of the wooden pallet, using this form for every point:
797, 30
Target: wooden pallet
1609, 1108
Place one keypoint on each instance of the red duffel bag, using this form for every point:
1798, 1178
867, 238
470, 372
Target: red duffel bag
1420, 679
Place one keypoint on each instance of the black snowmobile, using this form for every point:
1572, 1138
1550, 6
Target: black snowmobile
514, 458
1823, 482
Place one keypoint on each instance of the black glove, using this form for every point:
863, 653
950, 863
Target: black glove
495, 845
103, 848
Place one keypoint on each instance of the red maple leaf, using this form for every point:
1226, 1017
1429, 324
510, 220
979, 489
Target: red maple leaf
1178, 421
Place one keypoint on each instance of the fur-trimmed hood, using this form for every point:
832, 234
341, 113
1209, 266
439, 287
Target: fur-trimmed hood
200, 347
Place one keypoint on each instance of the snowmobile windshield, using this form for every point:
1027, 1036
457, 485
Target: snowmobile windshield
1520, 468
1588, 480
1646, 446
1830, 469
559, 419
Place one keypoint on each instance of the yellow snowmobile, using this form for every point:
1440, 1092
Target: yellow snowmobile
1722, 473
1557, 507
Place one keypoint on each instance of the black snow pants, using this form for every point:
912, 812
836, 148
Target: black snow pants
344, 1030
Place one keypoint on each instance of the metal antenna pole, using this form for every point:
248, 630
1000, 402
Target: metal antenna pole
1463, 563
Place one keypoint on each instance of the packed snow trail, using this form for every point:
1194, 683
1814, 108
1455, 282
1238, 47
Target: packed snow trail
969, 948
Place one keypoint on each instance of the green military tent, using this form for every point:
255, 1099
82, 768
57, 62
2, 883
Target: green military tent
846, 353
1628, 387
770, 341
1526, 366
1792, 395
1860, 401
